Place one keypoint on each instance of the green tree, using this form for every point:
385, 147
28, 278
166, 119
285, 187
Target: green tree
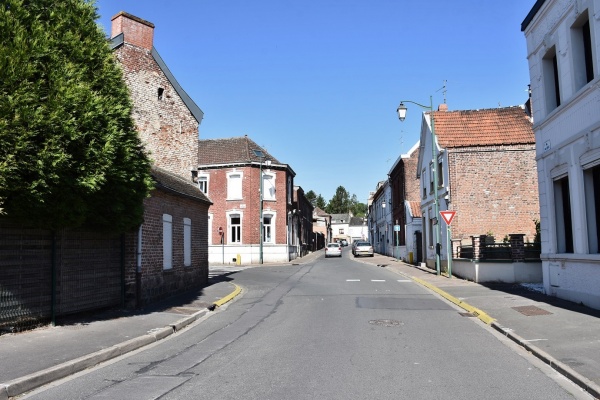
340, 202
320, 202
311, 196
69, 151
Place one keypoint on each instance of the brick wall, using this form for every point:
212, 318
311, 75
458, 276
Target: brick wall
493, 189
249, 205
156, 282
167, 128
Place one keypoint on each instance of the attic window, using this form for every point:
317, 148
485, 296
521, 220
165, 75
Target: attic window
160, 93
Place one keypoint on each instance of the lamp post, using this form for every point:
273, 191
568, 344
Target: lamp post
261, 155
401, 110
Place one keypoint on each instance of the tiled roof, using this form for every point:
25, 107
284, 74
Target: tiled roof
230, 151
319, 212
338, 218
494, 126
357, 221
175, 184
415, 208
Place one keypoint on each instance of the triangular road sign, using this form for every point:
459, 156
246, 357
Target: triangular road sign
448, 216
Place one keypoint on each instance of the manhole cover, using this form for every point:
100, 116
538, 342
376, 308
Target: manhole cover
385, 322
531, 311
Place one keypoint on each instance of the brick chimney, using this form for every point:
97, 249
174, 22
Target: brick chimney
136, 31
443, 107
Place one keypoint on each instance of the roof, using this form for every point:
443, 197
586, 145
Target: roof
486, 127
320, 213
338, 218
230, 151
415, 208
536, 7
357, 221
118, 40
172, 183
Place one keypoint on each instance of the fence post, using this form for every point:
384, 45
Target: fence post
476, 241
517, 247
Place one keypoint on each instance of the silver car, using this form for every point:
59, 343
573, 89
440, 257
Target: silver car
333, 250
362, 249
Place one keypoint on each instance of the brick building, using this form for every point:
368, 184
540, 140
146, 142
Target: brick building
229, 173
301, 237
404, 186
169, 252
486, 173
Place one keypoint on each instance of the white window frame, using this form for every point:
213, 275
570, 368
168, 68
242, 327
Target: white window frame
269, 186
203, 183
235, 190
210, 229
590, 207
187, 242
269, 228
230, 214
167, 221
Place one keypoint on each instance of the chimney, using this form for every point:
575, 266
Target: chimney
443, 107
135, 30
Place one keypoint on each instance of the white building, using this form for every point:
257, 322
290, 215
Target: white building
563, 47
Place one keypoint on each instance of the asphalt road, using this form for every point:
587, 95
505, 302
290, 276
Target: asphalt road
332, 329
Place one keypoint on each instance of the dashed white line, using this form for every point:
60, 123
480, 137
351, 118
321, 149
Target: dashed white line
404, 280
377, 280
352, 280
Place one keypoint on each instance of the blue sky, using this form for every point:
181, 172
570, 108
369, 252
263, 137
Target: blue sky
317, 83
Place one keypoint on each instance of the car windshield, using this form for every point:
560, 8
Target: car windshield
363, 244
333, 245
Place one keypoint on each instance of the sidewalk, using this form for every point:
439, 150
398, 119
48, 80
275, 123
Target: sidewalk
563, 334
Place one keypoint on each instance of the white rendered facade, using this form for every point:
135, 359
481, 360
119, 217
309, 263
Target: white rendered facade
563, 48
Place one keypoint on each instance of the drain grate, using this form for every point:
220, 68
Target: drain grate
385, 322
531, 311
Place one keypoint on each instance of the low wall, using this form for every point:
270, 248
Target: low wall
249, 254
507, 272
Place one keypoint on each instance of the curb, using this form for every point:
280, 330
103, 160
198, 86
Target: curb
227, 298
589, 386
30, 382
473, 310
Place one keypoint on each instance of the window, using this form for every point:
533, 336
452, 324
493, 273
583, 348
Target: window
431, 175
203, 183
187, 242
234, 186
424, 184
268, 228
341, 231
551, 81
562, 209
440, 175
583, 65
289, 190
430, 228
235, 228
268, 187
160, 93
591, 178
167, 241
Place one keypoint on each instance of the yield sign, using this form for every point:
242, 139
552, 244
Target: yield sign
448, 216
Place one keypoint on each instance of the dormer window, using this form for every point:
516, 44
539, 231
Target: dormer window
160, 93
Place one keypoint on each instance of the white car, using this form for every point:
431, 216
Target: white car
362, 249
333, 250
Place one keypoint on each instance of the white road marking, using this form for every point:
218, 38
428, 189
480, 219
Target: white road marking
534, 340
377, 280
404, 280
352, 280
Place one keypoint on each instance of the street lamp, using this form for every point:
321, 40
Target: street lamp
261, 155
401, 110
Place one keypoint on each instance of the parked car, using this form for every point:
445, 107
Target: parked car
333, 250
362, 249
344, 242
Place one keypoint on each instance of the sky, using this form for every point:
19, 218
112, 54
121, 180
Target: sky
317, 83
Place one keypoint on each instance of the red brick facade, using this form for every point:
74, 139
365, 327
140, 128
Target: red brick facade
493, 189
404, 186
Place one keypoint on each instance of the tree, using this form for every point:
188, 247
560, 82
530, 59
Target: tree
340, 202
69, 151
311, 197
320, 202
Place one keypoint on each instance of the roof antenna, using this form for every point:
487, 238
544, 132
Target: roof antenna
443, 89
